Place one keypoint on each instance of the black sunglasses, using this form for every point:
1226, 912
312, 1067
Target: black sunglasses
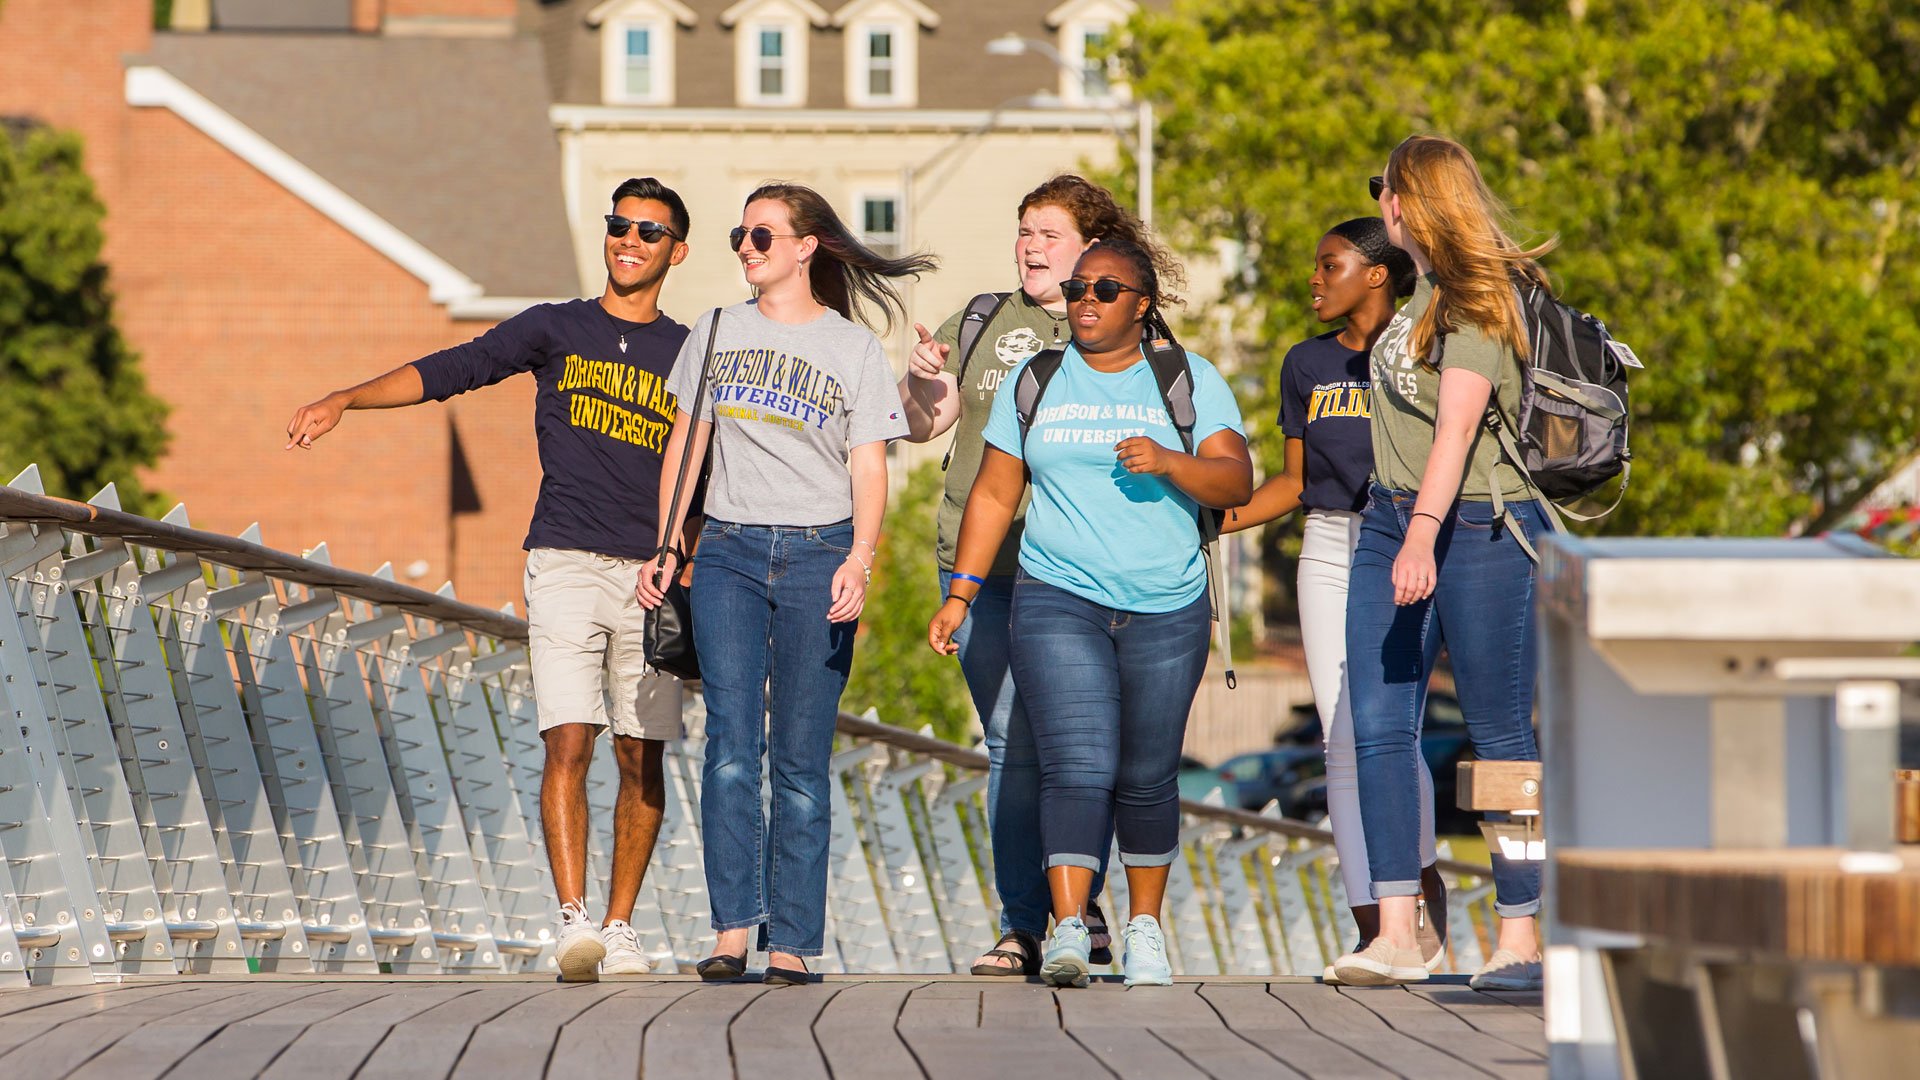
1376, 185
650, 231
1106, 290
761, 236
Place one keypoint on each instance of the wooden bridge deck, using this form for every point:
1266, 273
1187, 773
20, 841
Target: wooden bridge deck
846, 1028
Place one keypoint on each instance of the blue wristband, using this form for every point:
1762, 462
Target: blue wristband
958, 576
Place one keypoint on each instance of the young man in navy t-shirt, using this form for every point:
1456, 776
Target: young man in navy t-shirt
601, 417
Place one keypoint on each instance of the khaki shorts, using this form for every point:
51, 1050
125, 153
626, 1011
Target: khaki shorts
585, 636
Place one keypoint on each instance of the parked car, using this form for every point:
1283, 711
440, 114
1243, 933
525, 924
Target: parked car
1443, 742
1251, 781
1198, 779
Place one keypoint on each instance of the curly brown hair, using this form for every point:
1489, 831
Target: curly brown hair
1102, 219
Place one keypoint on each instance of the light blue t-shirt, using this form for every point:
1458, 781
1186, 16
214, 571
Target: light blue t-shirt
1123, 540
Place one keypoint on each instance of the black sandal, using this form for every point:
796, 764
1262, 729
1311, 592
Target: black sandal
1026, 962
720, 967
1096, 923
785, 976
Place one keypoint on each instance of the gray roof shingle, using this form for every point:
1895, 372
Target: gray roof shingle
446, 138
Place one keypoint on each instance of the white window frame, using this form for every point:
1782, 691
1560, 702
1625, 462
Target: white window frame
796, 19
861, 65
793, 63
897, 238
1072, 22
661, 19
903, 20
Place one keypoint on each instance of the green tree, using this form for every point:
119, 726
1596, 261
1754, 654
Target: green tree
893, 670
70, 388
1733, 185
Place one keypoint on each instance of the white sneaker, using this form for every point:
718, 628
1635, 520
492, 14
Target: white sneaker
1380, 964
623, 951
580, 950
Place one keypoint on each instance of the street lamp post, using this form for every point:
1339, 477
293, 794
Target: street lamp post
1141, 136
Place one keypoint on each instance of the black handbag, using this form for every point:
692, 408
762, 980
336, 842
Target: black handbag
668, 637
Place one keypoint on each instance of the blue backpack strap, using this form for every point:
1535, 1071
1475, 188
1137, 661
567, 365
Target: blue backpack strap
1031, 386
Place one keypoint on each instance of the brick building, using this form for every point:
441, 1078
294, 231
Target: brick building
288, 212
304, 193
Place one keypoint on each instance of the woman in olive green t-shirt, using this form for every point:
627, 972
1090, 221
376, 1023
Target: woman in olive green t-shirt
1433, 565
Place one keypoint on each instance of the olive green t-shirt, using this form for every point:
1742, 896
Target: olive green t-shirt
1020, 330
1406, 394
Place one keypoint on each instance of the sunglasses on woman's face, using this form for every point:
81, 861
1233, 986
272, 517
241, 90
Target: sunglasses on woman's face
1106, 290
1376, 185
761, 236
650, 231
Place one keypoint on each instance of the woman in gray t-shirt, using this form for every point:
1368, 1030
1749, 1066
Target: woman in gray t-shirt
798, 406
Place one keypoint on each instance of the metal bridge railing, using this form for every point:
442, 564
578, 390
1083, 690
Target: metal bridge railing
225, 758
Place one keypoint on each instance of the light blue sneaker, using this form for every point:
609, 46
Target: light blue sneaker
1146, 961
1066, 962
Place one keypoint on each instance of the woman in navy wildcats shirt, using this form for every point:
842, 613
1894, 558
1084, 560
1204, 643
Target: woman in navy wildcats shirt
1326, 414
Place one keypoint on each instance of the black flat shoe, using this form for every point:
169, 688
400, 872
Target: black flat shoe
721, 967
784, 976
1096, 922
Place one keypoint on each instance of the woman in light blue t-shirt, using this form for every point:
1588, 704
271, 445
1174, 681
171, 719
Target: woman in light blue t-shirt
1110, 614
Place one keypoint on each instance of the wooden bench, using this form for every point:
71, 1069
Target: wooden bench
1748, 951
1505, 787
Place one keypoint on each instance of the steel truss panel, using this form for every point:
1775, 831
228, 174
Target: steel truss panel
357, 767
856, 918
120, 853
450, 875
295, 775
912, 922
258, 878
498, 833
965, 916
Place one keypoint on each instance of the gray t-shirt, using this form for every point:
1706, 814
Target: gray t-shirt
787, 402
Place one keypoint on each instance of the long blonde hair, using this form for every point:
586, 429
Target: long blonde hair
1448, 210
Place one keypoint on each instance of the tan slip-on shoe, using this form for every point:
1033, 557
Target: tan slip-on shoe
1381, 964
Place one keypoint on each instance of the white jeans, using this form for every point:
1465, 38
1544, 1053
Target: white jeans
1326, 555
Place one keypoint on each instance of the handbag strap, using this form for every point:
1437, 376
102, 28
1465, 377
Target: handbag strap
686, 459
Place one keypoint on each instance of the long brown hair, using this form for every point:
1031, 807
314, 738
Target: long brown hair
1448, 210
1100, 218
846, 275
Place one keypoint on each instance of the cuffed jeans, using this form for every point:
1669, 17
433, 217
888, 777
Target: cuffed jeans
773, 669
1482, 609
1107, 693
1013, 764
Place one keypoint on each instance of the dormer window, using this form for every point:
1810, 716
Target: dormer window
1086, 30
636, 49
771, 39
883, 50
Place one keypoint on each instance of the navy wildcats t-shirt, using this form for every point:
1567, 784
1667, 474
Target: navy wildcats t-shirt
600, 414
1326, 401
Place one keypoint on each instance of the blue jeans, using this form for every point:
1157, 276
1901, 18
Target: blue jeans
1107, 693
773, 669
1013, 771
1482, 609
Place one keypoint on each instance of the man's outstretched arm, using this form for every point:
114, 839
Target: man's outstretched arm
401, 386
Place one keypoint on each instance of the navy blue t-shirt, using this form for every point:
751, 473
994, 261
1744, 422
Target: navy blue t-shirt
1326, 400
600, 415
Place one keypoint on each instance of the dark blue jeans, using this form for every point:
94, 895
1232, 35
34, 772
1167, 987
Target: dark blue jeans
773, 669
1107, 693
1013, 772
1482, 610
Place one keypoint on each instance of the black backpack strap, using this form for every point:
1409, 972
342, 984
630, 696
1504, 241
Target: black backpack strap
1031, 387
1173, 374
981, 311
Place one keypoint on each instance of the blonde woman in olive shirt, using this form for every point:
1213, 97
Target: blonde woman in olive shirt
1434, 564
